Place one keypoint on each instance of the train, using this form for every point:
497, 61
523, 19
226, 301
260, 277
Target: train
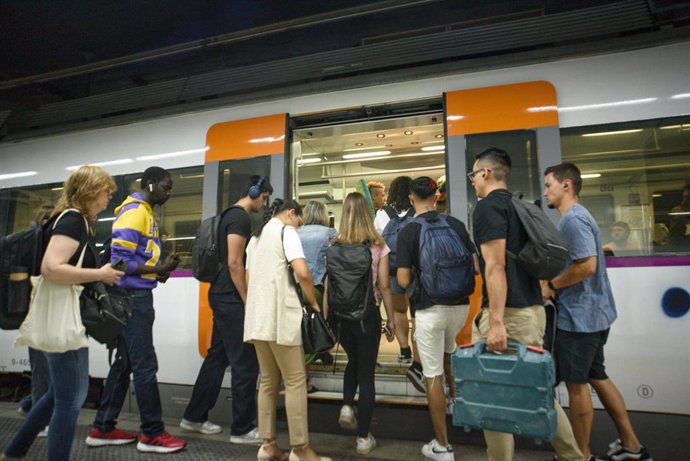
623, 117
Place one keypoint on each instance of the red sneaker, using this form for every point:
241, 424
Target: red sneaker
98, 438
162, 443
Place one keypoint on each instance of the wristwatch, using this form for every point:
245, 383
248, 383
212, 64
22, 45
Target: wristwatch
550, 285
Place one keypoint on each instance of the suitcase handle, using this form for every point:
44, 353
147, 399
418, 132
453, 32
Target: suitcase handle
488, 360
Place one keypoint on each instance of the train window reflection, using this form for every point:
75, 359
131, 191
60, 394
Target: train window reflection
636, 183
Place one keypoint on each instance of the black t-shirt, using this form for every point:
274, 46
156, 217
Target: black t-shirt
495, 218
408, 257
72, 225
236, 221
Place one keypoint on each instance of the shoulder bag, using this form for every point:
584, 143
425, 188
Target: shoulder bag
317, 336
53, 323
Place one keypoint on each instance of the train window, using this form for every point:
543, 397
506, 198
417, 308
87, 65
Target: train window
636, 183
23, 205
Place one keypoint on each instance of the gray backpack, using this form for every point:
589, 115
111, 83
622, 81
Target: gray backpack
545, 254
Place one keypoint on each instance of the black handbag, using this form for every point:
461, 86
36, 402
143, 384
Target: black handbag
105, 311
317, 336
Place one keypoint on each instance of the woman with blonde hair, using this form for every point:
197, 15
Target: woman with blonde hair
273, 324
86, 193
360, 339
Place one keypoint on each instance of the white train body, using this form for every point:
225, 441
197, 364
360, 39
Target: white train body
648, 354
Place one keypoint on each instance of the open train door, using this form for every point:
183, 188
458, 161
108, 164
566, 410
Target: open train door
520, 118
236, 151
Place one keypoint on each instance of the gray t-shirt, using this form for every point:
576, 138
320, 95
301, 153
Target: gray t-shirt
587, 306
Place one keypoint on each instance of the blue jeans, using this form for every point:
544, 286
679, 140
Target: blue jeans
59, 406
227, 348
141, 361
40, 379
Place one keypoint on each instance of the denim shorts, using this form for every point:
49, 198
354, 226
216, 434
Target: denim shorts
580, 356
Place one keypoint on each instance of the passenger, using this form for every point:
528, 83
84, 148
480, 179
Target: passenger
398, 204
136, 240
273, 324
438, 320
512, 304
40, 378
315, 236
227, 298
377, 190
660, 238
586, 310
88, 189
442, 196
679, 230
360, 339
620, 244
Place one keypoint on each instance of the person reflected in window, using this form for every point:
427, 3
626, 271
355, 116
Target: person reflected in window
620, 244
660, 239
679, 232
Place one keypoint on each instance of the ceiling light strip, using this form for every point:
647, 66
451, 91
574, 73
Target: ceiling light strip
401, 170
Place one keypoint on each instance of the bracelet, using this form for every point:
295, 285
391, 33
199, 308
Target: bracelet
550, 285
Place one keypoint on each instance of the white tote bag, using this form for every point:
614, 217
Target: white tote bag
53, 323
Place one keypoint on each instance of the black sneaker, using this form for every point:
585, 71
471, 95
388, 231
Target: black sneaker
416, 377
618, 453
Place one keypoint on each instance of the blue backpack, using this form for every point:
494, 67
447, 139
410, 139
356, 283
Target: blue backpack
446, 266
390, 233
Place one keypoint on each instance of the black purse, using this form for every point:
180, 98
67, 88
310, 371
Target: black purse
317, 336
105, 311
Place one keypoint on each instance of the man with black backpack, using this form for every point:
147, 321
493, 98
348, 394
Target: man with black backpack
227, 296
438, 248
512, 301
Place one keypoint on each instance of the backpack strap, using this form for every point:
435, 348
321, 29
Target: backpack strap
390, 212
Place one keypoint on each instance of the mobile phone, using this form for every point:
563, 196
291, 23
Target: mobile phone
387, 331
119, 264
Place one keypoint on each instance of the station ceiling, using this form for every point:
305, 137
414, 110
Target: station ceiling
70, 64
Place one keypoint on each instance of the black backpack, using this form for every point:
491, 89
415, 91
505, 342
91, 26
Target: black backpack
20, 258
350, 282
545, 254
390, 233
207, 261
446, 266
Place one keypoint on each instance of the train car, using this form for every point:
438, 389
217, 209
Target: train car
624, 118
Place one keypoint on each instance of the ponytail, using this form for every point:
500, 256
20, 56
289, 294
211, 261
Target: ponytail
278, 206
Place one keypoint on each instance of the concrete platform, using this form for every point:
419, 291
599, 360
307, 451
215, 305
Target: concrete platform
216, 447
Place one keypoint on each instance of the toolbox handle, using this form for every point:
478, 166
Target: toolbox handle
485, 357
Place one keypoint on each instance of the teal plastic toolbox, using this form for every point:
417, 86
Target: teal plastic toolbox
510, 392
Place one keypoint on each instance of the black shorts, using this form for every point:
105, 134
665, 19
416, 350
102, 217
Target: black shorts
580, 356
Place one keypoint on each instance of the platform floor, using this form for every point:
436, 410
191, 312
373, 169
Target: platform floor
216, 447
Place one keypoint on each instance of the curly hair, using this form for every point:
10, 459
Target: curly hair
399, 193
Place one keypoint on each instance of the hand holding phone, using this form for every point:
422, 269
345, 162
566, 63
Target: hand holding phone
388, 332
119, 264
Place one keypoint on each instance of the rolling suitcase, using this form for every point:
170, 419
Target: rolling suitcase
509, 392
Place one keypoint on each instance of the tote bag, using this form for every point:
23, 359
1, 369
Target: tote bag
53, 323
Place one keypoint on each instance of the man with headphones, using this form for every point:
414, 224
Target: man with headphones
226, 297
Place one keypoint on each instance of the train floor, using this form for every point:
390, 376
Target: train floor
216, 447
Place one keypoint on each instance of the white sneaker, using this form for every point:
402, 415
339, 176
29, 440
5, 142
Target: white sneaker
365, 444
250, 438
347, 418
435, 452
43, 433
207, 427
